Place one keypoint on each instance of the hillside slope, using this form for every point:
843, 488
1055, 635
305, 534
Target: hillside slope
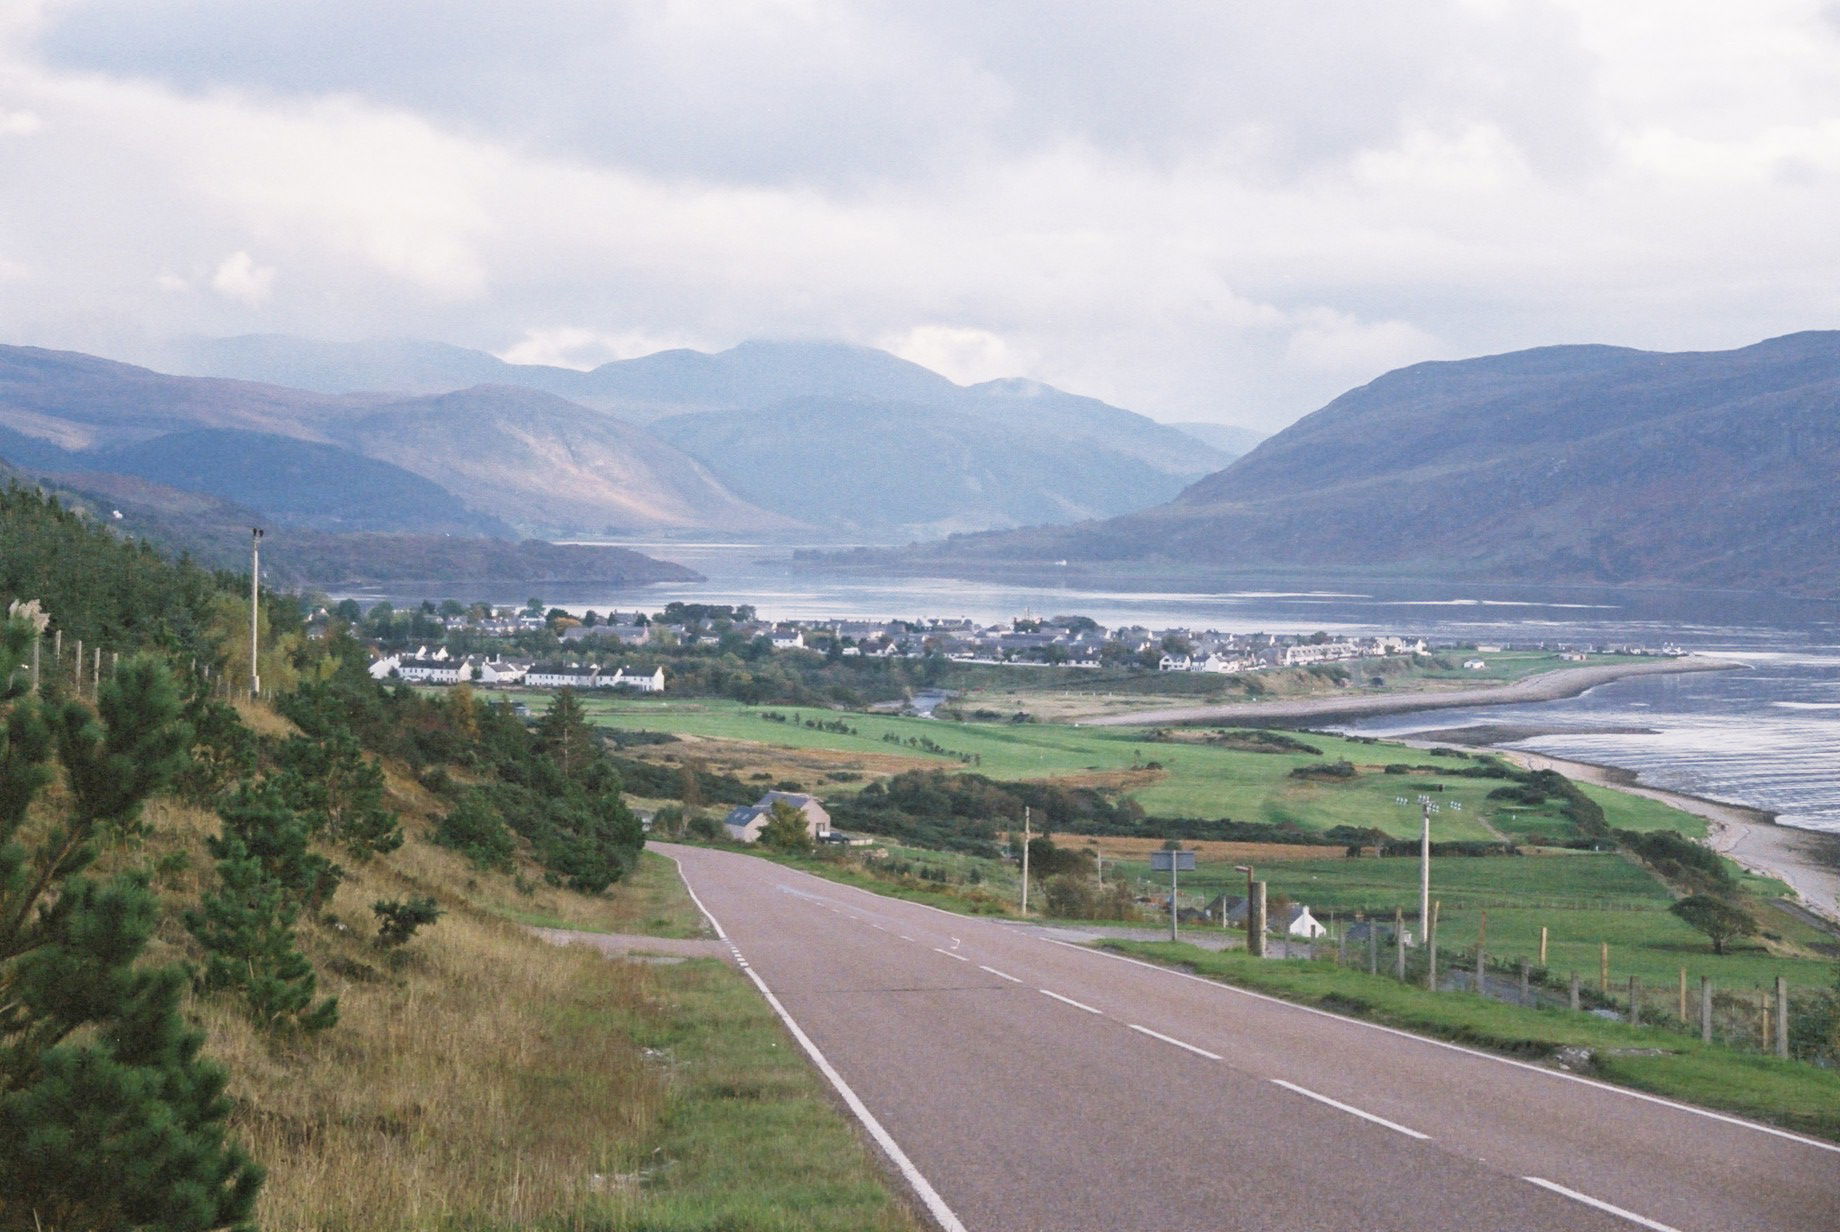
552, 467
911, 471
1576, 464
1084, 457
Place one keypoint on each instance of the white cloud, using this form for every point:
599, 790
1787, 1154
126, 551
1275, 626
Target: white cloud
1195, 210
1338, 344
20, 123
572, 346
238, 277
960, 353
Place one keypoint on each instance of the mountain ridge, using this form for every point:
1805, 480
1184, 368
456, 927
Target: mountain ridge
1562, 464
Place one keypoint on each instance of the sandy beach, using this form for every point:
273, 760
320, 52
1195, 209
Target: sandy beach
1546, 687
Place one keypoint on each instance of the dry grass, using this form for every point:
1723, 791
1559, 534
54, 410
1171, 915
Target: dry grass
477, 1077
752, 761
1209, 850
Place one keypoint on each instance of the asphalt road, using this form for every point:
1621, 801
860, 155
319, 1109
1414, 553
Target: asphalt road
1026, 1084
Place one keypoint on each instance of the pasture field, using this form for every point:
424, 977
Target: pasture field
1169, 778
1583, 899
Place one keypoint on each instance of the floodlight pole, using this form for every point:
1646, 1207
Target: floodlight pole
255, 608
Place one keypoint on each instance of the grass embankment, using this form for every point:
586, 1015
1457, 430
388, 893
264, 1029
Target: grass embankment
480, 1077
1785, 1093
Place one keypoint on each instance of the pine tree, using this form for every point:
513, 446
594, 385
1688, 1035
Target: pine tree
564, 733
339, 792
108, 1117
246, 926
261, 820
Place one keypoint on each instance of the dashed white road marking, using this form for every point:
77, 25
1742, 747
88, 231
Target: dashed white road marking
905, 937
1561, 1075
1078, 1005
950, 954
1351, 1110
1002, 975
1170, 1039
1601, 1205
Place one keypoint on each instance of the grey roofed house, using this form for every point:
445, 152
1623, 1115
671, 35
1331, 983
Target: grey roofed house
1292, 921
744, 824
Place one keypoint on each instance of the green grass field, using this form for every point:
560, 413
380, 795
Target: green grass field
1583, 899
1194, 780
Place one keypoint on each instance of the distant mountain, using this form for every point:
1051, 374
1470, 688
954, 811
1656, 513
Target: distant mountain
394, 365
482, 462
216, 534
1230, 439
78, 401
883, 470
852, 428
554, 468
1563, 464
296, 483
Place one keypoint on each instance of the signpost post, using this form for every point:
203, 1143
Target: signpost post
1172, 861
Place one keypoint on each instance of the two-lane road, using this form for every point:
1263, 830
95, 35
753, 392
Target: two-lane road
1037, 1085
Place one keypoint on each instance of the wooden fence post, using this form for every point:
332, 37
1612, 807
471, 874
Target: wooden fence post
1542, 945
1705, 1009
1782, 1017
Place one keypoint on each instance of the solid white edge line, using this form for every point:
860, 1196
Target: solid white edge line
1170, 1039
688, 889
935, 1205
1487, 1056
1070, 1001
1002, 975
1588, 1200
950, 954
1350, 1109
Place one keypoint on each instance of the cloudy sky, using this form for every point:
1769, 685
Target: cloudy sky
1199, 209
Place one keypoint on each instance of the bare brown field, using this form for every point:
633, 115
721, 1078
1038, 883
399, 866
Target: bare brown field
1121, 848
746, 759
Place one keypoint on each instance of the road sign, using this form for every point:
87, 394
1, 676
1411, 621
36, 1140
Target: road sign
1161, 861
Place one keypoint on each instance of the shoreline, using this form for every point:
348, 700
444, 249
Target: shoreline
1807, 860
1545, 687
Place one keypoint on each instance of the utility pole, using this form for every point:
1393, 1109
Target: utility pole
1025, 859
255, 609
1246, 869
1424, 877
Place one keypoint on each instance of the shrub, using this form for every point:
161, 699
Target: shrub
398, 919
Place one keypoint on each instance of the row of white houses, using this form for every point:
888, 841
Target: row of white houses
441, 668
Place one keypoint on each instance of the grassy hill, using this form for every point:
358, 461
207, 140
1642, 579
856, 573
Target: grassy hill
1565, 464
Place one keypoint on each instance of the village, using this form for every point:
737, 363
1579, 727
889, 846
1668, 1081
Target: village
533, 648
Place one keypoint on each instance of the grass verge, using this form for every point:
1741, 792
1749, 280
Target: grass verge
1787, 1093
749, 1140
648, 902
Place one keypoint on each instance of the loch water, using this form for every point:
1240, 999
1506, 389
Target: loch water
1766, 734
